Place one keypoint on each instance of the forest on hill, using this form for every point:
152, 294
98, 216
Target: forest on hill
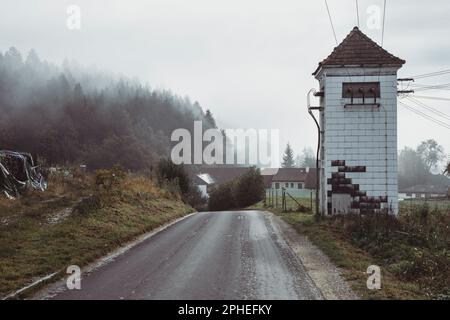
72, 114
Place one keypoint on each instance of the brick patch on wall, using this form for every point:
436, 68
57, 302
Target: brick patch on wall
341, 184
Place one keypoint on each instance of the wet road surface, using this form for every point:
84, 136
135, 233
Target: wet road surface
210, 255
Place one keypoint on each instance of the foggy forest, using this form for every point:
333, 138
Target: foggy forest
73, 114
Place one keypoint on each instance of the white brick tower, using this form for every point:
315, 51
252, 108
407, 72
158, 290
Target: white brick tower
358, 119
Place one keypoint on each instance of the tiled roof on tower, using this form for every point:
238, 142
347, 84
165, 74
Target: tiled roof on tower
358, 50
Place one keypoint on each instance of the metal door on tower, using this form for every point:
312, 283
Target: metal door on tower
341, 203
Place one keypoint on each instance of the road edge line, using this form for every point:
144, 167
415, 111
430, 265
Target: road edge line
45, 292
330, 291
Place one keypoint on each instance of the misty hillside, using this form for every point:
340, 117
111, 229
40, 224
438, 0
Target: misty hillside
71, 114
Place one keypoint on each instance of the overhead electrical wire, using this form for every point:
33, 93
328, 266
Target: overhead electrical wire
431, 74
384, 19
431, 98
382, 37
357, 12
431, 109
331, 22
424, 115
445, 86
422, 85
335, 37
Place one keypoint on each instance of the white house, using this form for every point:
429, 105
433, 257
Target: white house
293, 180
203, 181
358, 118
423, 192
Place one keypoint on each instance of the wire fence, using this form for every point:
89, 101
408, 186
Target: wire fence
436, 204
290, 201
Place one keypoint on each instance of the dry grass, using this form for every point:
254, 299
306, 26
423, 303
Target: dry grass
138, 185
352, 259
413, 251
32, 247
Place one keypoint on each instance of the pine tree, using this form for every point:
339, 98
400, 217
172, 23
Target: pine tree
210, 118
288, 157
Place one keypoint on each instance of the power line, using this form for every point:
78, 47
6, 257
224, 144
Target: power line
431, 109
331, 22
445, 86
384, 19
431, 74
424, 115
422, 85
431, 98
357, 12
382, 37
335, 37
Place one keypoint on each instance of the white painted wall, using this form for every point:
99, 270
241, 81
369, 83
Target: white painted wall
289, 186
361, 136
204, 190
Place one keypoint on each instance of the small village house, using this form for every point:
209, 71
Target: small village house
291, 179
423, 192
209, 177
298, 182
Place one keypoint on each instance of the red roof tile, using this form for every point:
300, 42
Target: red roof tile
357, 49
311, 179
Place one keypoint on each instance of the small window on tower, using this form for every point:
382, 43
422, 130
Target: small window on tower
361, 93
361, 90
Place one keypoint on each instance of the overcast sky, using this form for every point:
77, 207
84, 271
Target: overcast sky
249, 61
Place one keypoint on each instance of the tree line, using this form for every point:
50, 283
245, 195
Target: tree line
419, 166
70, 114
422, 165
305, 159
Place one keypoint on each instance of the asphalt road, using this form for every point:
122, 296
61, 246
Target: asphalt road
214, 255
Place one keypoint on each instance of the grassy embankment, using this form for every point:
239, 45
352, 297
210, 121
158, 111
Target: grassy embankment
412, 251
76, 222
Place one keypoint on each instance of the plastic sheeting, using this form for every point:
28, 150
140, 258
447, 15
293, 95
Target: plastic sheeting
18, 173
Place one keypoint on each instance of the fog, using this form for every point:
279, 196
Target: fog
250, 62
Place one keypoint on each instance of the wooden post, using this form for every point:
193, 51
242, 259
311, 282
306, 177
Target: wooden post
276, 199
271, 198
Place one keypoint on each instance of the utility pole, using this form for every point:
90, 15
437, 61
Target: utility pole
319, 132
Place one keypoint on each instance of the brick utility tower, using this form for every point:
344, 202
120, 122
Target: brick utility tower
358, 121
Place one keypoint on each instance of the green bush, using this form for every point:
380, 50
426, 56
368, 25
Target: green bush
168, 172
249, 188
175, 179
242, 192
222, 198
414, 246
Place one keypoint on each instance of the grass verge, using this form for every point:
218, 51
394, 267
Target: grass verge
36, 239
412, 251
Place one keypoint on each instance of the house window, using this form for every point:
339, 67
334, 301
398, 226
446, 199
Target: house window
277, 185
286, 185
300, 186
292, 185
